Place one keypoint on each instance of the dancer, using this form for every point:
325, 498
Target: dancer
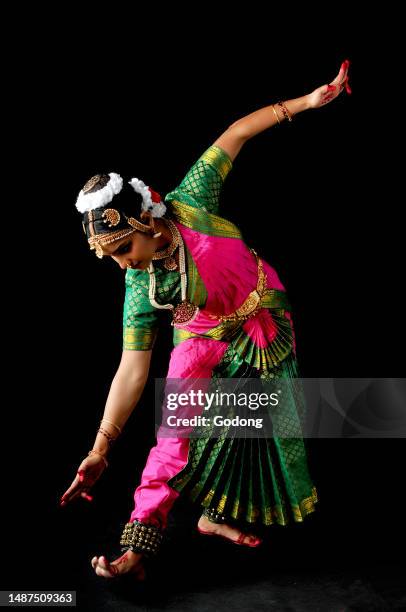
231, 319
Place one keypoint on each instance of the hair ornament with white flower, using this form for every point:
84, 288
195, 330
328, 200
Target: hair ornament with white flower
151, 200
109, 208
98, 192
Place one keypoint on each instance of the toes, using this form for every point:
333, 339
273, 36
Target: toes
103, 572
103, 568
249, 538
254, 539
105, 564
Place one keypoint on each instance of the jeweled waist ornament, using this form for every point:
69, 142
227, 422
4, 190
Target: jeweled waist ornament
253, 303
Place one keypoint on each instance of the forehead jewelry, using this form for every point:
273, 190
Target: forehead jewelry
97, 242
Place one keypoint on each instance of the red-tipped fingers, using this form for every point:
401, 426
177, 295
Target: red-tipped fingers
72, 491
346, 83
81, 475
68, 497
86, 496
342, 73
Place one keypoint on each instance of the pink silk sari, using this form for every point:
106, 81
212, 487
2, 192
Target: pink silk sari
229, 272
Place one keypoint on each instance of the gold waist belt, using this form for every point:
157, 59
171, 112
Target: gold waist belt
253, 303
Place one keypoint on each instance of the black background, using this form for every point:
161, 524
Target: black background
314, 198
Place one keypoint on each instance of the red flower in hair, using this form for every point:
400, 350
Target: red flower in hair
155, 197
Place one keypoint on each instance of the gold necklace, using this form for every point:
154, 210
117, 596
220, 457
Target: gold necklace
167, 252
186, 311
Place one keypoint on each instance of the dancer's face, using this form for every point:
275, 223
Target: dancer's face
137, 249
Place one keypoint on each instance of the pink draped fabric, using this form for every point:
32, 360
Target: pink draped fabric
229, 272
193, 358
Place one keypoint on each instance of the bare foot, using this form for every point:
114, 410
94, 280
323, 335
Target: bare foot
227, 531
128, 563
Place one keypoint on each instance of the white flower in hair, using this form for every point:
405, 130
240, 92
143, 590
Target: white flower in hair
99, 199
156, 207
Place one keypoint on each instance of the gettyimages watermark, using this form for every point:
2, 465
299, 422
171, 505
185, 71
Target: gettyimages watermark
280, 407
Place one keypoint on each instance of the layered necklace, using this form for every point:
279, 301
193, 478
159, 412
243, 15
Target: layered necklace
184, 312
167, 253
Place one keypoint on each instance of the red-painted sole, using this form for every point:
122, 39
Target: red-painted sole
138, 572
219, 535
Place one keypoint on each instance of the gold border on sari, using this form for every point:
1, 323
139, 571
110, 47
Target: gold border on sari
137, 339
272, 514
217, 157
203, 221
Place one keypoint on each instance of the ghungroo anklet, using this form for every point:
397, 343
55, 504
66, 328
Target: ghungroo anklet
213, 516
141, 538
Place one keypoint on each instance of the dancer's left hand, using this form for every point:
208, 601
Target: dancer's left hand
326, 93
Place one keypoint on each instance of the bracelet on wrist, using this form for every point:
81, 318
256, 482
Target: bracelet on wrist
111, 423
107, 435
95, 452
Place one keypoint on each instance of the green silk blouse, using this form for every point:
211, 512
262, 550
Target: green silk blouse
194, 203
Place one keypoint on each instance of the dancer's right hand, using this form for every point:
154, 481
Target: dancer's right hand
88, 472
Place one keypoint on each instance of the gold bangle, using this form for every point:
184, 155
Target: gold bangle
273, 108
111, 423
285, 110
104, 433
95, 452
108, 434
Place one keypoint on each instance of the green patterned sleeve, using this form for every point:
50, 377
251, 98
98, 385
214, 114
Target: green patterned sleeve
140, 319
202, 185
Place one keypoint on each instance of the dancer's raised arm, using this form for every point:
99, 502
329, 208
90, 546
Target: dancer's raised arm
245, 128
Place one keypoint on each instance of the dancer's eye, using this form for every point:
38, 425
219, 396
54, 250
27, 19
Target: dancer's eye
124, 249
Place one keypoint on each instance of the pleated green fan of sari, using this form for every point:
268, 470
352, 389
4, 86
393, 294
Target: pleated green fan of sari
254, 480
